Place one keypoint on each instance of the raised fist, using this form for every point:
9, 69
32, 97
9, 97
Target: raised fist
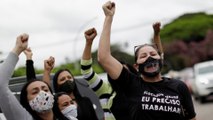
21, 43
109, 8
156, 27
90, 35
49, 63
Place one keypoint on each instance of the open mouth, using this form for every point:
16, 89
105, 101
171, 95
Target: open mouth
151, 67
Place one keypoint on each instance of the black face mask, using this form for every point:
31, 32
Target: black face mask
67, 87
150, 62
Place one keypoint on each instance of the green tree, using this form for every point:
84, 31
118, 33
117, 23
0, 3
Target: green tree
188, 40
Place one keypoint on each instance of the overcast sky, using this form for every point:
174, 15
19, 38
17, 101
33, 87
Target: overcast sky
56, 27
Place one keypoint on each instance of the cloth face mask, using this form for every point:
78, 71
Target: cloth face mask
67, 86
70, 112
42, 102
150, 62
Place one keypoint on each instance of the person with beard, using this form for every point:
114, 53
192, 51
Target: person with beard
36, 99
151, 96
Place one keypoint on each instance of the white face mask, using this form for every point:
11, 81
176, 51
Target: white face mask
42, 102
70, 112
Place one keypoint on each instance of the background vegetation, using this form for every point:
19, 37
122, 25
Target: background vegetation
186, 41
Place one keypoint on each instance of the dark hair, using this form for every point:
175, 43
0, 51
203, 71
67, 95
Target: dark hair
138, 47
129, 67
24, 101
55, 83
55, 78
56, 109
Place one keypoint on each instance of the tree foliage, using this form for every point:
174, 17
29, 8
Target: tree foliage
188, 27
188, 40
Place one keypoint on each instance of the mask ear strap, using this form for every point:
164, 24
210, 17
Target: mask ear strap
162, 57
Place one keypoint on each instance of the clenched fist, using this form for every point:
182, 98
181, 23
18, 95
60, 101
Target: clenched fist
21, 43
156, 28
109, 8
90, 35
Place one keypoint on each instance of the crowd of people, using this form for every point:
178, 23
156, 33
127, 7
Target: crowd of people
132, 92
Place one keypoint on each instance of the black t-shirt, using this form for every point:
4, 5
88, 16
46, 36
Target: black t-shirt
168, 99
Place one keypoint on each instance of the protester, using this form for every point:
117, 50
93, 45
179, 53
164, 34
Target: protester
48, 66
65, 105
151, 96
64, 81
102, 88
113, 101
33, 93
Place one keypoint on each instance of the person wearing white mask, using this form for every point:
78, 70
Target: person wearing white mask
65, 105
36, 96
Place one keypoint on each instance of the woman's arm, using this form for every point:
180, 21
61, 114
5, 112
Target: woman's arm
10, 106
112, 66
30, 71
96, 83
156, 39
48, 66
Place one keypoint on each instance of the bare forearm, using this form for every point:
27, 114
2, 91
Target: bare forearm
87, 52
104, 45
46, 77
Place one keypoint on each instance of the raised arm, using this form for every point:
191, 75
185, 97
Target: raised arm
9, 104
102, 89
156, 39
112, 66
30, 71
90, 35
48, 66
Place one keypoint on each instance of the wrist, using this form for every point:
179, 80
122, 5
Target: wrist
156, 33
16, 51
47, 71
29, 58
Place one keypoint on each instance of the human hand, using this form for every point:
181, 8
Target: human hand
28, 52
21, 43
49, 64
90, 35
156, 27
109, 8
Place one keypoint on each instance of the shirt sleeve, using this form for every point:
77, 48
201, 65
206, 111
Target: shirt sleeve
10, 106
187, 104
30, 71
125, 80
98, 85
102, 88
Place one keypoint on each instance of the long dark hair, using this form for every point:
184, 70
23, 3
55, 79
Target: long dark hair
55, 83
56, 109
24, 101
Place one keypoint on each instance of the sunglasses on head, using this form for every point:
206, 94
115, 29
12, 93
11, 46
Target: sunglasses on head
137, 47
